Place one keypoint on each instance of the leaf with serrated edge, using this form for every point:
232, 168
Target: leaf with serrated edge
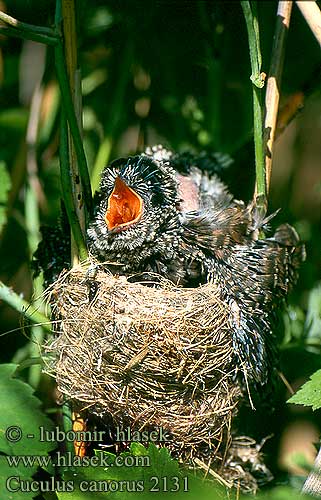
161, 466
310, 393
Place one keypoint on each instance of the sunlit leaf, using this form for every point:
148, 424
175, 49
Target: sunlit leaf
310, 393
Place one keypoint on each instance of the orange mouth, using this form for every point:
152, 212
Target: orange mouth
124, 208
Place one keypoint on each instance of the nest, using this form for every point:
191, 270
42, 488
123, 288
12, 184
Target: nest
147, 355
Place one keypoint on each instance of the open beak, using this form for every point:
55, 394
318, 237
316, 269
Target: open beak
124, 208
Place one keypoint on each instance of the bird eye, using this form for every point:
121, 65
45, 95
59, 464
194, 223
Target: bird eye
124, 208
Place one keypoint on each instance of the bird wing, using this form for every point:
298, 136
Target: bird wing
216, 231
253, 277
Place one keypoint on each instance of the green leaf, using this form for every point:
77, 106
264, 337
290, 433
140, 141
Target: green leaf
20, 417
310, 393
7, 473
5, 186
155, 479
138, 450
20, 408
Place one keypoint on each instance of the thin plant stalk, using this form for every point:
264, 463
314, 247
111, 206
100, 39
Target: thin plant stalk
67, 190
257, 79
37, 332
70, 53
32, 218
67, 423
53, 37
63, 75
8, 31
28, 310
312, 14
74, 172
73, 124
273, 86
28, 31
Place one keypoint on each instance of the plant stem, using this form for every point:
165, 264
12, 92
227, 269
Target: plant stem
72, 121
23, 307
70, 52
312, 15
32, 224
257, 79
67, 190
53, 37
272, 96
68, 426
28, 31
28, 28
8, 31
68, 105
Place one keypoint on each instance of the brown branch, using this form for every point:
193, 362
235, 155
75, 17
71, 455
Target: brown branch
274, 83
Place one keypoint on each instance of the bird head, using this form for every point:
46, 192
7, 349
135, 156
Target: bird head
138, 199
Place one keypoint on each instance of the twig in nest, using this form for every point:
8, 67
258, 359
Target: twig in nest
221, 480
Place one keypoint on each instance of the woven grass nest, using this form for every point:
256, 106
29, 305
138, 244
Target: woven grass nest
147, 356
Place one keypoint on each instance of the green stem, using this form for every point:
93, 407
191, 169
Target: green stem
47, 40
257, 80
23, 307
28, 31
30, 363
69, 110
72, 121
50, 36
28, 28
32, 219
67, 187
68, 426
37, 334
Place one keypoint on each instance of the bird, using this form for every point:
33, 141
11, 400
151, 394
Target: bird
169, 213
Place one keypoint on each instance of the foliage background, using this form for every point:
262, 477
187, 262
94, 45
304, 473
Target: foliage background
175, 73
